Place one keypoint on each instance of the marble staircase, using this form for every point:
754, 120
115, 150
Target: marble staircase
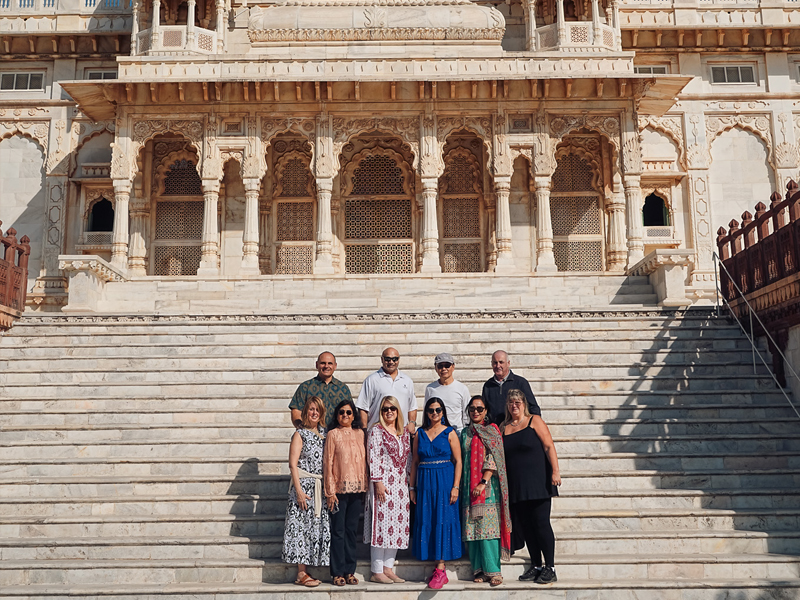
145, 456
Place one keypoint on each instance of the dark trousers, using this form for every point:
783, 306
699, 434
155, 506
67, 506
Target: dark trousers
344, 525
531, 521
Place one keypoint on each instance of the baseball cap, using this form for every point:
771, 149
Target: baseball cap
444, 357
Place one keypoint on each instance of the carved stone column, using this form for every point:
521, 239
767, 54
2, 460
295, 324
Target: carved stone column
264, 253
561, 25
134, 27
190, 24
220, 26
616, 246
529, 6
155, 28
209, 259
616, 24
137, 250
633, 209
597, 34
505, 257
324, 260
545, 261
250, 237
430, 229
119, 237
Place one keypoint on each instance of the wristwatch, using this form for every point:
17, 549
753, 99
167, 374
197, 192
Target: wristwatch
484, 482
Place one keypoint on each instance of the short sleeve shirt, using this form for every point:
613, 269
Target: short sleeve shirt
379, 385
330, 393
455, 397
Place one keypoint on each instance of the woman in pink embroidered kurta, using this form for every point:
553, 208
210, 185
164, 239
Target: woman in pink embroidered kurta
386, 519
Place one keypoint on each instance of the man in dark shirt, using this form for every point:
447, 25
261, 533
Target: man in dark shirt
324, 386
496, 388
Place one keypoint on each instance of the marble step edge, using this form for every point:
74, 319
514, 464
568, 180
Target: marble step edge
237, 518
569, 494
285, 439
590, 589
287, 429
228, 540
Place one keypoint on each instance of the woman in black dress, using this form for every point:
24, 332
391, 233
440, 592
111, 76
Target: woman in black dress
533, 477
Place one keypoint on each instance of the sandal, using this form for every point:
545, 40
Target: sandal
306, 580
351, 579
339, 581
496, 580
479, 577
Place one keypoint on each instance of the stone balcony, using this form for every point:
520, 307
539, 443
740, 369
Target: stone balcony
176, 40
580, 36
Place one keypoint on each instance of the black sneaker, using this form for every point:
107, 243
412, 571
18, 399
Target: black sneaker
531, 574
546, 575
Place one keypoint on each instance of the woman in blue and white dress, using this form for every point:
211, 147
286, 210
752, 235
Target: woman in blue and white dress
307, 535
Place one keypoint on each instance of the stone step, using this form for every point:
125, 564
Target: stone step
616, 401
564, 430
249, 385
141, 443
272, 523
109, 552
53, 418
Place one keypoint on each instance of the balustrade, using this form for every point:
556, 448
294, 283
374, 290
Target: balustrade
176, 38
63, 7
579, 36
13, 276
765, 248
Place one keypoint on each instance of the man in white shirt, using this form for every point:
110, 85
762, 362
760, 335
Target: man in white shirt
452, 392
388, 381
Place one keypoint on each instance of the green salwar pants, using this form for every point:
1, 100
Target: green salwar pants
484, 555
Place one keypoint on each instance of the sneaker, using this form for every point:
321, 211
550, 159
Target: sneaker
531, 574
438, 579
547, 575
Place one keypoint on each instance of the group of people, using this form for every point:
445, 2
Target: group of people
479, 474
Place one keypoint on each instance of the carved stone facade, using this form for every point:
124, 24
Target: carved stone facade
598, 132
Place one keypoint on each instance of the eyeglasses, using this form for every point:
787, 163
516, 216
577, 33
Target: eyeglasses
476, 409
347, 413
387, 409
444, 365
390, 358
515, 403
436, 411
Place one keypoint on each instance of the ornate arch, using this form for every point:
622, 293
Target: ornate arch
162, 170
586, 154
93, 196
145, 130
273, 127
399, 159
33, 130
481, 127
756, 124
280, 170
607, 126
669, 126
473, 164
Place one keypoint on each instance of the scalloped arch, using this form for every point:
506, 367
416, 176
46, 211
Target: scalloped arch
167, 162
355, 161
655, 126
745, 126
9, 133
412, 147
474, 165
565, 148
485, 139
614, 143
280, 167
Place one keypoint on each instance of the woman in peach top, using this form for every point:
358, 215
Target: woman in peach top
345, 474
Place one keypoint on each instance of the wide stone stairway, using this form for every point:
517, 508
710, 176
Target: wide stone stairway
145, 457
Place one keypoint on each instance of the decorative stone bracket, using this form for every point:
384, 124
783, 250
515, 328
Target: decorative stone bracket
88, 275
667, 270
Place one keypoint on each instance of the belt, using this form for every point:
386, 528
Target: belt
435, 462
317, 488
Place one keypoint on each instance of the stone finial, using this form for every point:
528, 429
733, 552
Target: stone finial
761, 208
747, 218
791, 188
721, 233
733, 226
775, 198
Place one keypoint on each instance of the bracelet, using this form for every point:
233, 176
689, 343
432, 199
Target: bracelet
411, 488
455, 487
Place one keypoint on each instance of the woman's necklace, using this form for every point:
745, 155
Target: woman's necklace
316, 432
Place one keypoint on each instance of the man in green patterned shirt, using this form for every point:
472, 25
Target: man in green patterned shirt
324, 386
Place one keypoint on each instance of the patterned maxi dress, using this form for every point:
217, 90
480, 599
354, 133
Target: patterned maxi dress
386, 525
307, 538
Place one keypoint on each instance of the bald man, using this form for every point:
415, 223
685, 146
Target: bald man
497, 387
388, 381
324, 386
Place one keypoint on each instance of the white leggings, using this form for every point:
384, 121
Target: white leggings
382, 558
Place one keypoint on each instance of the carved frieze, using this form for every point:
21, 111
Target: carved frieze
607, 125
378, 34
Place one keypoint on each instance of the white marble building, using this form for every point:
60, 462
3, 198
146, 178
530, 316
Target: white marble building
247, 143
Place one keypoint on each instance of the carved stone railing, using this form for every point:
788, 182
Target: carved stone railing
88, 276
666, 270
63, 7
761, 257
13, 276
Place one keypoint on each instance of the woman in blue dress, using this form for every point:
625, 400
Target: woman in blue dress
435, 477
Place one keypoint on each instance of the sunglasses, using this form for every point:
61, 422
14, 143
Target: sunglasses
444, 365
390, 358
435, 411
476, 409
343, 413
515, 403
387, 409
